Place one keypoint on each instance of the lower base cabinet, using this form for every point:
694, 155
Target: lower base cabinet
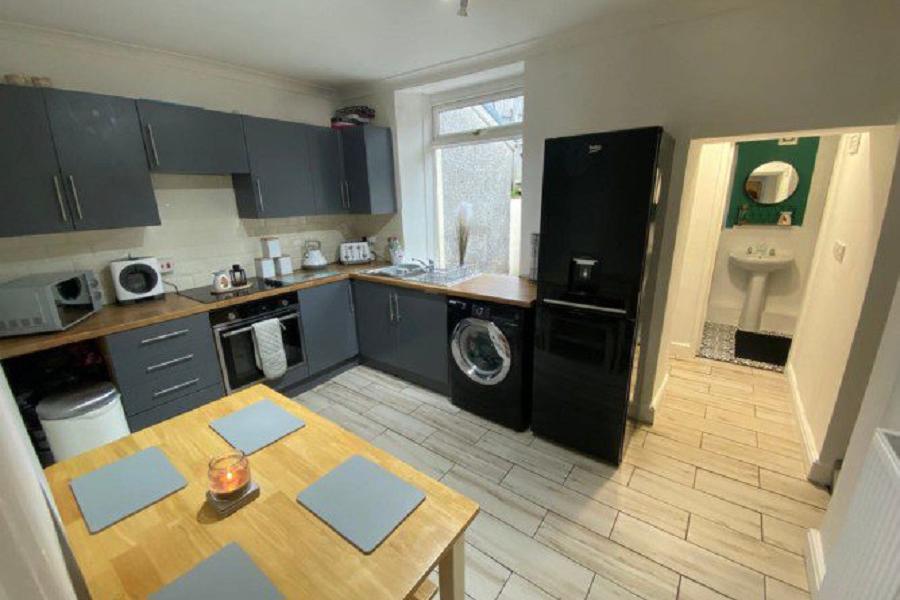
329, 325
405, 331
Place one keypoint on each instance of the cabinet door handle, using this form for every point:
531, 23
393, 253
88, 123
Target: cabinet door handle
259, 194
176, 387
59, 199
165, 336
170, 363
153, 150
350, 300
347, 188
75, 197
391, 305
396, 307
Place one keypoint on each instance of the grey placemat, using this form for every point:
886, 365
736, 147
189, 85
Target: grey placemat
256, 426
229, 574
124, 487
361, 501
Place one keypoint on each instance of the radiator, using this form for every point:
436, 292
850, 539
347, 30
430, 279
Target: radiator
866, 563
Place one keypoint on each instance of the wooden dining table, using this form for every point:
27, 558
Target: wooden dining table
301, 555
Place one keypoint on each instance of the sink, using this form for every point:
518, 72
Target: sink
759, 265
401, 271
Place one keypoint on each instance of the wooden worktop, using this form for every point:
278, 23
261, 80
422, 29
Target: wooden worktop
113, 318
301, 555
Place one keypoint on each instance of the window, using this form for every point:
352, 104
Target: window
478, 173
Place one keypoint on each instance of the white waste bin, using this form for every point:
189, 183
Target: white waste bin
82, 419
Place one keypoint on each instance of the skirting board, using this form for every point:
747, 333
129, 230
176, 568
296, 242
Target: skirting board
815, 562
681, 350
817, 472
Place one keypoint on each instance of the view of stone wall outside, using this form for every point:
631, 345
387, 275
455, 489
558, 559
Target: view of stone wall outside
483, 176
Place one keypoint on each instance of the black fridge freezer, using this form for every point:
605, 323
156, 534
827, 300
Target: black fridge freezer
599, 199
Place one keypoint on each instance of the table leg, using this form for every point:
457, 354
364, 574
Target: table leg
453, 571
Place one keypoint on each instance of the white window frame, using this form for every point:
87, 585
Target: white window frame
488, 134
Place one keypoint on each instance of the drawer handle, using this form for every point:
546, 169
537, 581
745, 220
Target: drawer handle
165, 336
169, 363
176, 387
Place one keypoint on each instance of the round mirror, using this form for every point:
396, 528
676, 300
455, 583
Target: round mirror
772, 182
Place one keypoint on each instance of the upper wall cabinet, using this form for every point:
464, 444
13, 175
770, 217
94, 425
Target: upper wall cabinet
31, 195
369, 169
326, 163
101, 159
185, 139
280, 183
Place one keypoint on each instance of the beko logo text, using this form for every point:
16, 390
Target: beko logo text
594, 148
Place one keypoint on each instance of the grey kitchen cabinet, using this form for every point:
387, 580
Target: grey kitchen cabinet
369, 169
30, 182
404, 331
164, 369
280, 183
375, 321
187, 139
326, 164
104, 170
420, 322
329, 325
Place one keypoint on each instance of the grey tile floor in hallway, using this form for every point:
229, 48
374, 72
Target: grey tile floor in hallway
709, 503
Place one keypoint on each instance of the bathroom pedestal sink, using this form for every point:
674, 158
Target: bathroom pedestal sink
759, 266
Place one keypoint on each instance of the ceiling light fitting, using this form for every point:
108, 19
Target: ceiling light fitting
463, 8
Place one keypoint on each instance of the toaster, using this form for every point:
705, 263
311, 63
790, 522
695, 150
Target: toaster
355, 253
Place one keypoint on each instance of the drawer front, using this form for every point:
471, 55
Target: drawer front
146, 390
154, 365
174, 407
151, 343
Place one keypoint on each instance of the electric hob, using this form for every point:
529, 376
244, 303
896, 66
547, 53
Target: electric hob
257, 285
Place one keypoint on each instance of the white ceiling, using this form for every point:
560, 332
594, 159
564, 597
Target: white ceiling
329, 42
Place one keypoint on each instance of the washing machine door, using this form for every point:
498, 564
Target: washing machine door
481, 351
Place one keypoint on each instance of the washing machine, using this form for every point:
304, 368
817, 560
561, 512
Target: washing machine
490, 360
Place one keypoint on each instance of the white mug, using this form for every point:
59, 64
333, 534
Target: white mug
221, 281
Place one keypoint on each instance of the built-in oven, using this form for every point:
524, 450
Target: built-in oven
233, 332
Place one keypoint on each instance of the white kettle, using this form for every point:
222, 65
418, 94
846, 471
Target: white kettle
221, 282
313, 257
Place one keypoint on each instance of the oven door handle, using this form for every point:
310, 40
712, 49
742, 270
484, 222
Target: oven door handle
228, 334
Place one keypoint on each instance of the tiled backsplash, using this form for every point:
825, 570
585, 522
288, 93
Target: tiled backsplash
200, 231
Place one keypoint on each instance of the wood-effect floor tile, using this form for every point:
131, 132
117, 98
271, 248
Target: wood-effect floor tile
758, 555
680, 420
752, 423
798, 489
517, 588
620, 474
491, 467
390, 397
449, 423
691, 590
760, 457
415, 455
501, 502
691, 365
760, 500
667, 425
779, 445
485, 577
550, 570
523, 437
699, 564
630, 501
561, 500
423, 396
376, 376
348, 398
313, 400
786, 536
660, 464
778, 590
400, 422
611, 560
534, 460
684, 405
775, 416
353, 421
697, 502
604, 589
700, 457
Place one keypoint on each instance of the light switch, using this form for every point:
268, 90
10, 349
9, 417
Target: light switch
853, 144
839, 249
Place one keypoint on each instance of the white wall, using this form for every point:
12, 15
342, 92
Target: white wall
707, 185
32, 564
769, 68
831, 309
785, 288
200, 227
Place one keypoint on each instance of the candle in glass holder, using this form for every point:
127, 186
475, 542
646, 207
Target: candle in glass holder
228, 474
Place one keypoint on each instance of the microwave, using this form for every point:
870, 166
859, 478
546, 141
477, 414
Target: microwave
48, 302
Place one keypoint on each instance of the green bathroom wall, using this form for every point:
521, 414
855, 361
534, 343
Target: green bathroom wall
750, 155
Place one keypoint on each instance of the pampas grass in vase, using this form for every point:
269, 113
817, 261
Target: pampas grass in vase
463, 227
